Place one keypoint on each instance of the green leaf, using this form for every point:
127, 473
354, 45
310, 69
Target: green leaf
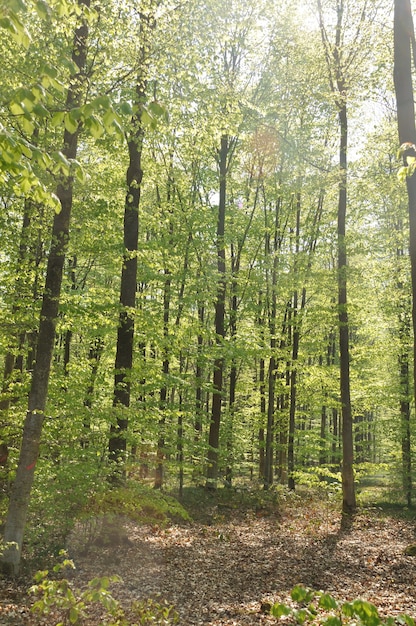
57, 118
301, 594
49, 70
42, 9
79, 172
278, 610
402, 173
62, 162
327, 602
102, 102
94, 126
108, 119
27, 125
71, 125
367, 612
302, 615
73, 615
147, 119
26, 151
332, 621
126, 108
16, 108
18, 32
40, 110
58, 85
76, 113
156, 109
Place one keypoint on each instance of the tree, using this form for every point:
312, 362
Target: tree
125, 331
404, 53
20, 496
341, 58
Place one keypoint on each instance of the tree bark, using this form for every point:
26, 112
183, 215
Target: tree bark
125, 332
20, 495
217, 394
348, 488
404, 48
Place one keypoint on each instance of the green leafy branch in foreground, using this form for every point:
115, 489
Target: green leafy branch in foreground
72, 605
318, 607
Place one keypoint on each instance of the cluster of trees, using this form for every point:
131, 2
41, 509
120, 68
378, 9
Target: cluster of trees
180, 226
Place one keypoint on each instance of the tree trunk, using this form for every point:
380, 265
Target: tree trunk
26, 255
125, 332
404, 46
163, 395
199, 396
272, 370
348, 488
20, 495
217, 394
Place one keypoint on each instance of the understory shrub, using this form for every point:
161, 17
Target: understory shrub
63, 604
318, 607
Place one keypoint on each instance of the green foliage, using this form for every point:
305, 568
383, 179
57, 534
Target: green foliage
320, 477
407, 152
137, 503
150, 611
58, 594
318, 607
59, 496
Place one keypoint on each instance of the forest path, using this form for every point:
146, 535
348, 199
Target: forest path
221, 571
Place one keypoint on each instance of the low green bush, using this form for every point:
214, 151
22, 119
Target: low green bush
63, 604
318, 607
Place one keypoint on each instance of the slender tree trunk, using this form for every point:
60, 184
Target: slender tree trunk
293, 365
348, 488
94, 357
405, 390
14, 356
272, 249
20, 496
404, 49
163, 395
125, 331
199, 396
262, 442
217, 395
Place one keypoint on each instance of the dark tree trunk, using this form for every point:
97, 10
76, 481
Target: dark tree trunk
163, 395
272, 250
125, 331
217, 394
293, 365
20, 496
94, 357
26, 255
348, 488
199, 396
262, 442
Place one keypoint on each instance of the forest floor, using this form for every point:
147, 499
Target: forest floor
234, 557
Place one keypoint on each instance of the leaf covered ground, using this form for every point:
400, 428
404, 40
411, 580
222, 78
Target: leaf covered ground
238, 554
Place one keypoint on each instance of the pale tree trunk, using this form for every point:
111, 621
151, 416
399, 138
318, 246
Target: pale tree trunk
404, 48
20, 495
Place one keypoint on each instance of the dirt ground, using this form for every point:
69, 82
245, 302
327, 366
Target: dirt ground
223, 566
